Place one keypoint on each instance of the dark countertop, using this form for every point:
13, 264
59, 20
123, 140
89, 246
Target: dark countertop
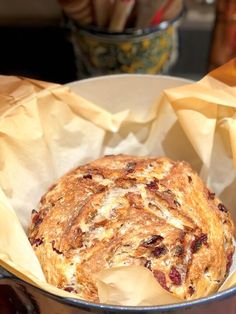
43, 53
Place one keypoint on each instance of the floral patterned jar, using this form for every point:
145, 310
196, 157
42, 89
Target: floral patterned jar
152, 50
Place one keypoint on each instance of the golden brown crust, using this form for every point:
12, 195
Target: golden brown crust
123, 210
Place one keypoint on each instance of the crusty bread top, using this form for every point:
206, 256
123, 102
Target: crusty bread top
123, 210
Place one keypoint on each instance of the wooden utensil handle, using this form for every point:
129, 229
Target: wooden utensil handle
120, 15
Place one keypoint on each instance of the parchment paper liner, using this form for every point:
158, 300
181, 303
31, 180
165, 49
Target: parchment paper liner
45, 130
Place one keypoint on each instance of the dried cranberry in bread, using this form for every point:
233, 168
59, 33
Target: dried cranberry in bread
124, 210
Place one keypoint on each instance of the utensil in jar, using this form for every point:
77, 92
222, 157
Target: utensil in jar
102, 11
121, 13
80, 11
173, 9
146, 11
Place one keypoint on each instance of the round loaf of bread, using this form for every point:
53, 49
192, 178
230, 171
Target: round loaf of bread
125, 210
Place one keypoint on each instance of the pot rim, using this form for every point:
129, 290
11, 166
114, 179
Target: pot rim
135, 75
132, 309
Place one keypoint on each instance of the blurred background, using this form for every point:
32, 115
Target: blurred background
36, 40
